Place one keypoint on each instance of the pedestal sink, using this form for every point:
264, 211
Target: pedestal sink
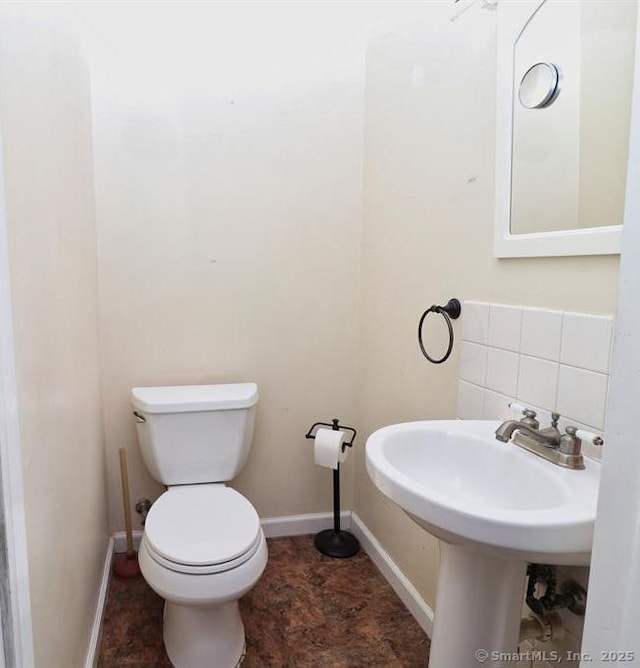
494, 507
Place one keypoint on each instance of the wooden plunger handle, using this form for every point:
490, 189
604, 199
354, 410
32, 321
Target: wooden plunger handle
126, 500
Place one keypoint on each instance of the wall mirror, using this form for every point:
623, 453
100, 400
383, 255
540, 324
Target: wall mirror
564, 94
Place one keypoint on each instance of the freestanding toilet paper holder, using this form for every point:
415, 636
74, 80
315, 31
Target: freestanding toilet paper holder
335, 542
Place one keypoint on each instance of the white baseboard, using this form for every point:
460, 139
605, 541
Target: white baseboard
297, 525
407, 593
96, 629
273, 527
120, 541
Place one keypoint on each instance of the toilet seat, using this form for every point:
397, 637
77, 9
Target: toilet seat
201, 570
202, 529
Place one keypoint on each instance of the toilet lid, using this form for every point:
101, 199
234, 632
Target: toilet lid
202, 525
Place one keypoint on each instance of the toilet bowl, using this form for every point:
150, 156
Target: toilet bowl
203, 547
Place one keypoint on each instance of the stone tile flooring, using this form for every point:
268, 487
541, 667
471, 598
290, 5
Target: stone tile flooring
306, 610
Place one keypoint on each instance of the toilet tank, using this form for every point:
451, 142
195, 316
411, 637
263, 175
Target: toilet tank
195, 433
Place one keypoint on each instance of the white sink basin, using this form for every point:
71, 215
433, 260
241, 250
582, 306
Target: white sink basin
494, 507
462, 485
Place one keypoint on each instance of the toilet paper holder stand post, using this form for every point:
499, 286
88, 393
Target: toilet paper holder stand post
335, 542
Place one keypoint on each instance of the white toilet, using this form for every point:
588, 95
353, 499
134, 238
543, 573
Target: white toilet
203, 546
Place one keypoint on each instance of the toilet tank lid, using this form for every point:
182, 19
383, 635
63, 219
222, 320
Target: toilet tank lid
193, 398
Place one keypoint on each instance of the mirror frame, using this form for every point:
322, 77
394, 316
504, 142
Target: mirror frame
512, 19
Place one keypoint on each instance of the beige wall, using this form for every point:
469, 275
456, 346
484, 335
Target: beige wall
44, 116
427, 236
228, 216
229, 209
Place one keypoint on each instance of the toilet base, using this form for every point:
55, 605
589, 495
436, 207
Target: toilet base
201, 637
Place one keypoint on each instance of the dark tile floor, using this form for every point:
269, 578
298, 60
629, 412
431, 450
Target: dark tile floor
306, 610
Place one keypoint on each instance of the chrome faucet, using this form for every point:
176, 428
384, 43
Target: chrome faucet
561, 449
549, 436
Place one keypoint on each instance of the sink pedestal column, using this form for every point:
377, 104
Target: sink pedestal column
478, 609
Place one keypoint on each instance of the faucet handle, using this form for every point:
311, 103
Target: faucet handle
570, 449
519, 409
529, 414
588, 437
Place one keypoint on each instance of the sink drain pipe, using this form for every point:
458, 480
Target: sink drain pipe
542, 628
544, 623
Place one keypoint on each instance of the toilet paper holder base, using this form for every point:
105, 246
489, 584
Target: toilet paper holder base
336, 542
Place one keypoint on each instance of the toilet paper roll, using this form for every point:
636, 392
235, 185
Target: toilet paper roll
327, 448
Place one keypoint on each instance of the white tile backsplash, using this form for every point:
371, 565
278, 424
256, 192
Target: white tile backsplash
470, 401
586, 341
496, 406
537, 381
502, 371
545, 359
473, 362
504, 327
541, 333
475, 324
582, 396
